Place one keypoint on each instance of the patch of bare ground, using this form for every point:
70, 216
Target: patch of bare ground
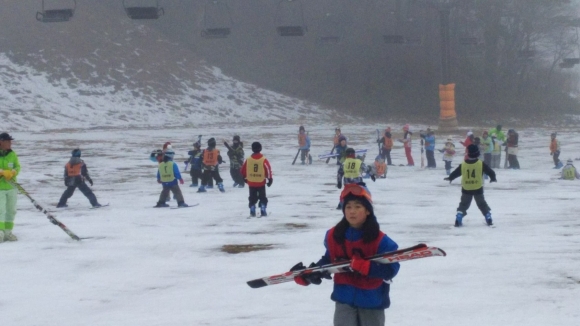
236, 249
295, 225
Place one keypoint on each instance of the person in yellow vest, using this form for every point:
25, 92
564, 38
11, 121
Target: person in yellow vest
569, 171
9, 169
471, 172
211, 159
168, 175
351, 171
256, 170
555, 149
75, 174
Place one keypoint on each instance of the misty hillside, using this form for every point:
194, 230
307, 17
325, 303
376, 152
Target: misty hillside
103, 69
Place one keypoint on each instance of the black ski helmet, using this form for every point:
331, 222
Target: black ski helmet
76, 152
256, 147
350, 152
473, 151
236, 138
211, 142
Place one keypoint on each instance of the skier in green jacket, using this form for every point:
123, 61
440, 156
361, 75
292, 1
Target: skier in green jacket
9, 169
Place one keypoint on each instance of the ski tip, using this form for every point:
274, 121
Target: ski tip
255, 284
443, 252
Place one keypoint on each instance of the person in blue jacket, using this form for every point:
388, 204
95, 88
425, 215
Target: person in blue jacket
361, 296
429, 138
168, 175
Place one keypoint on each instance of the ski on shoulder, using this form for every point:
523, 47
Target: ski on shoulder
414, 252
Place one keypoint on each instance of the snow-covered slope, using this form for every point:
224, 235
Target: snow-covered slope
32, 100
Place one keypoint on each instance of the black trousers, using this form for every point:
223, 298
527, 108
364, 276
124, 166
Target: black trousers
556, 157
466, 202
237, 176
83, 188
386, 155
513, 161
208, 175
258, 193
196, 175
430, 159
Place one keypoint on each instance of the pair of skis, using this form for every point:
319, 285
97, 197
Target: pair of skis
330, 155
414, 252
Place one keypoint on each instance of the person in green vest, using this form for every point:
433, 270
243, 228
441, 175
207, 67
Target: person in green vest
9, 169
569, 171
167, 175
352, 171
499, 139
471, 172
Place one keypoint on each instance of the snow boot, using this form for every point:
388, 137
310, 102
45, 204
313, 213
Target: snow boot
9, 236
253, 211
221, 187
182, 204
161, 205
459, 219
235, 184
488, 219
61, 206
193, 185
201, 189
263, 210
97, 205
241, 185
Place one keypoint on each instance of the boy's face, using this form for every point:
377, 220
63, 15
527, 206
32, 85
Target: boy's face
356, 213
5, 144
343, 142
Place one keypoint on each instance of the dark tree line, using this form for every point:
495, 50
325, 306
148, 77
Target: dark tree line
506, 56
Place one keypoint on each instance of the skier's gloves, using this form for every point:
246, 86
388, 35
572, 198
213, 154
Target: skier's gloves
8, 174
360, 265
373, 177
310, 278
339, 185
181, 181
270, 182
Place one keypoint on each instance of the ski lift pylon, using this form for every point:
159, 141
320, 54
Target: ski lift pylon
219, 27
56, 15
144, 11
286, 27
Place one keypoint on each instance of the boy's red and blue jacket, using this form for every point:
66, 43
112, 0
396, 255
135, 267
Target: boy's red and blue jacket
368, 292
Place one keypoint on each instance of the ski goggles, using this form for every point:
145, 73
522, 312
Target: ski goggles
355, 190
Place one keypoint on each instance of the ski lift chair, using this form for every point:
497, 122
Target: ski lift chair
216, 32
144, 12
56, 15
286, 29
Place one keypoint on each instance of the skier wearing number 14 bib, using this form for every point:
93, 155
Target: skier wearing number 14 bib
471, 172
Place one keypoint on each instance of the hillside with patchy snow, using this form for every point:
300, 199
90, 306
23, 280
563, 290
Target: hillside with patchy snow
102, 70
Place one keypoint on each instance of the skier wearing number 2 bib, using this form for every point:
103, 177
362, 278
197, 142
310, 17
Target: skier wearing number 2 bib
471, 172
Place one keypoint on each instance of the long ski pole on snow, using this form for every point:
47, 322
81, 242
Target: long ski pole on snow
50, 217
331, 152
295, 157
378, 141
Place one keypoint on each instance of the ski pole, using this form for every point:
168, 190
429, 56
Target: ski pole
331, 152
50, 217
295, 157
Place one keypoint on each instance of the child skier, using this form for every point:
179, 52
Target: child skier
75, 174
195, 162
448, 154
495, 153
211, 161
304, 143
236, 155
362, 295
351, 171
429, 138
471, 172
387, 144
512, 149
341, 149
406, 140
555, 151
167, 175
256, 170
337, 134
569, 172
379, 168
